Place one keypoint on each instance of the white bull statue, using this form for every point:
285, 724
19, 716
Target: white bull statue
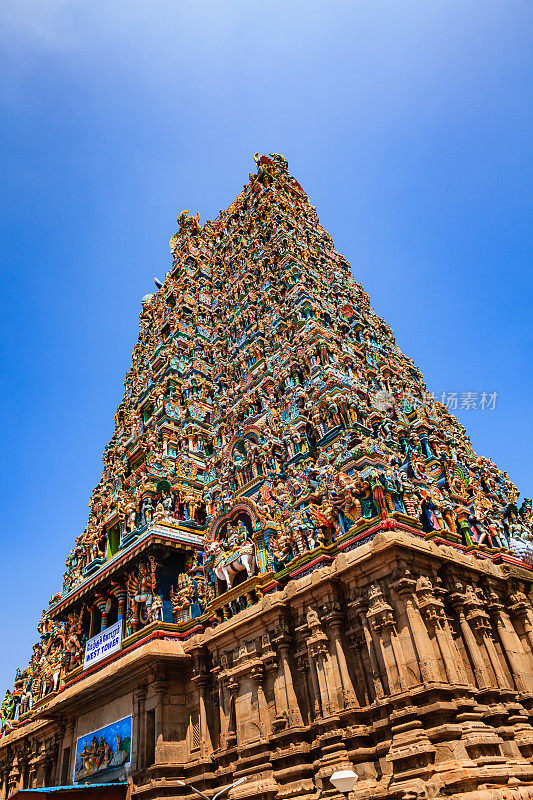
227, 565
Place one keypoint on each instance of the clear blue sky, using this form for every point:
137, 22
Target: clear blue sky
408, 122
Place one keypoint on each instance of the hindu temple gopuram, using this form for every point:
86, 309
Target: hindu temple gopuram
294, 561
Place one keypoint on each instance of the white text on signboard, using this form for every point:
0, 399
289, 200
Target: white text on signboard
103, 644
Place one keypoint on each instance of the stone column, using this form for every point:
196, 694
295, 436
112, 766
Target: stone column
212, 695
432, 610
280, 699
478, 665
377, 682
71, 731
485, 634
474, 603
24, 771
317, 652
201, 679
383, 629
233, 689
262, 705
362, 674
333, 623
160, 690
101, 604
317, 647
121, 595
449, 656
13, 779
5, 780
205, 734
521, 607
270, 662
449, 634
57, 748
32, 775
405, 587
311, 698
40, 768
223, 718
138, 728
321, 710
511, 645
219, 684
288, 697
389, 625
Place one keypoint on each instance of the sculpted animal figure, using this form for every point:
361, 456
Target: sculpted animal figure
227, 565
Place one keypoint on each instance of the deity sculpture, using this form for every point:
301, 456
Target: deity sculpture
140, 588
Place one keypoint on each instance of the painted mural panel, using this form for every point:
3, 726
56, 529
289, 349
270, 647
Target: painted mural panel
104, 754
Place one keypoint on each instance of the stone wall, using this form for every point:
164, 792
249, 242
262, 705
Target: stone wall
409, 662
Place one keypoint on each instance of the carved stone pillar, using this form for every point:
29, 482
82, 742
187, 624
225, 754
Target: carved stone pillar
160, 688
511, 645
521, 607
405, 587
70, 742
39, 771
478, 666
54, 748
317, 647
201, 678
232, 686
138, 728
359, 610
269, 658
434, 615
484, 629
33, 755
14, 776
383, 627
357, 639
265, 728
207, 745
286, 693
334, 619
224, 722
24, 767
218, 677
479, 621
39, 766
312, 700
5, 782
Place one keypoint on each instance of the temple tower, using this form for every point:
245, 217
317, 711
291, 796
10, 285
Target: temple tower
294, 561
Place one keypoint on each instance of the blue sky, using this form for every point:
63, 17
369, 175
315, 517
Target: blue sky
408, 124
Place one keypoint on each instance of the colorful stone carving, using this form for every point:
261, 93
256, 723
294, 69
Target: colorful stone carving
269, 419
